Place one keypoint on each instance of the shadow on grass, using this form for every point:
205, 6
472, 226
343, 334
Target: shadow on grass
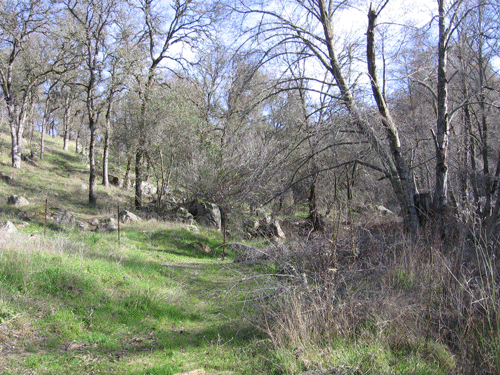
187, 244
64, 162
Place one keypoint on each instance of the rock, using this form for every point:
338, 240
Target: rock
251, 255
207, 214
183, 215
239, 247
383, 211
22, 215
115, 181
276, 229
5, 178
82, 225
17, 200
126, 216
203, 247
108, 225
8, 228
273, 230
95, 222
63, 217
193, 228
252, 226
148, 189
84, 187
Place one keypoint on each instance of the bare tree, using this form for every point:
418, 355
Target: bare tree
27, 58
308, 33
164, 28
92, 20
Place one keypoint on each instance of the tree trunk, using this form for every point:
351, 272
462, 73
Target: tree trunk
42, 140
16, 124
403, 174
45, 121
77, 141
67, 111
139, 163
356, 117
441, 138
314, 216
92, 196
105, 156
16, 146
127, 172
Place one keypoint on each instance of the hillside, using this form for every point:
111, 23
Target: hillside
77, 302
360, 299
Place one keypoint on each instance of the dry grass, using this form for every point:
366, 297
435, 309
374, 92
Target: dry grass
432, 299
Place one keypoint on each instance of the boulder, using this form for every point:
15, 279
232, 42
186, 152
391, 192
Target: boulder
126, 216
116, 181
8, 228
207, 214
252, 225
17, 200
183, 215
273, 230
5, 178
383, 210
63, 217
82, 225
148, 189
22, 215
108, 225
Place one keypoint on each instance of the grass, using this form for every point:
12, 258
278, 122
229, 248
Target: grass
75, 302
83, 295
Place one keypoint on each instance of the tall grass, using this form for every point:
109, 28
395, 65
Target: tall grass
401, 306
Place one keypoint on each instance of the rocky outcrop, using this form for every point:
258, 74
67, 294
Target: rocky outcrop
8, 228
108, 225
148, 189
206, 214
17, 201
127, 216
6, 178
272, 230
63, 217
184, 216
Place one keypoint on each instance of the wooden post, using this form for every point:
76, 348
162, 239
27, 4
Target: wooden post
118, 225
223, 233
45, 216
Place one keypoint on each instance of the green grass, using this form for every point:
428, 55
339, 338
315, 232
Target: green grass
121, 301
75, 302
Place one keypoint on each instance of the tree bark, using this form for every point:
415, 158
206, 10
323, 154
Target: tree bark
403, 173
67, 111
441, 138
127, 171
139, 164
92, 195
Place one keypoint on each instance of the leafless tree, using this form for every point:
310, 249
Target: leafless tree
28, 55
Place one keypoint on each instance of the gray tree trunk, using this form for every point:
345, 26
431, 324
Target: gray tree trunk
403, 182
441, 139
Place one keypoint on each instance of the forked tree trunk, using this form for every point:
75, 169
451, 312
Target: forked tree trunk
403, 173
399, 182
